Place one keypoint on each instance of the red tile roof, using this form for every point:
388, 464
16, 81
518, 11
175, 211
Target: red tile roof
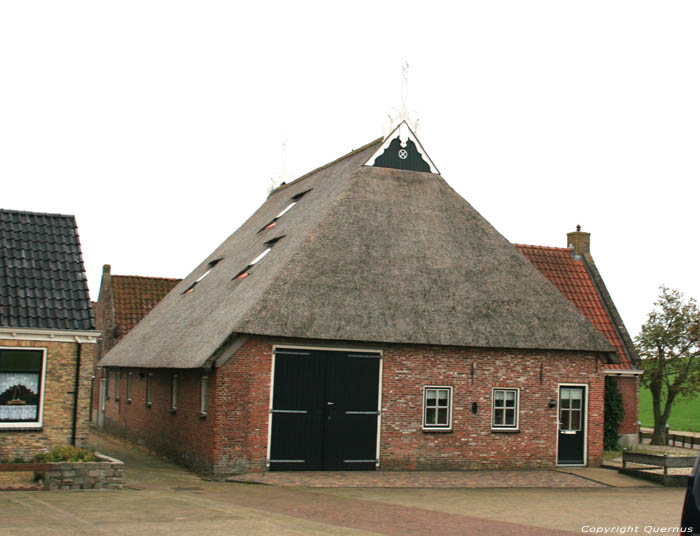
135, 296
570, 276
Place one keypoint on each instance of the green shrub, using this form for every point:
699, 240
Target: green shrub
67, 454
614, 413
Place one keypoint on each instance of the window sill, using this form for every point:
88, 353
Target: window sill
28, 428
437, 430
202, 415
505, 431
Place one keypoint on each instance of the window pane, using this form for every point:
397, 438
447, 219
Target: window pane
576, 403
576, 394
430, 397
442, 416
498, 417
442, 398
498, 398
430, 416
510, 397
510, 417
564, 420
564, 403
24, 360
575, 420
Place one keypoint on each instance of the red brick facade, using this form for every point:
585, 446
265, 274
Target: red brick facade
629, 389
233, 437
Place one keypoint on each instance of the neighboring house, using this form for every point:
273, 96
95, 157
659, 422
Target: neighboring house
365, 316
574, 273
122, 302
47, 335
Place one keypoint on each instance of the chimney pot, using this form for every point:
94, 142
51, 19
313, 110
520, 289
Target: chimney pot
106, 269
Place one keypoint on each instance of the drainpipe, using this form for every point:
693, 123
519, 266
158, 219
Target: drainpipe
75, 391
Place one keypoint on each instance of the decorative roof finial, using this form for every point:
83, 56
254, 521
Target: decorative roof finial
578, 228
396, 117
404, 91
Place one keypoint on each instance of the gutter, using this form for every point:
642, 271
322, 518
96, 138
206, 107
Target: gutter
76, 388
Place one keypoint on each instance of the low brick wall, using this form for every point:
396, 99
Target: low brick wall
106, 473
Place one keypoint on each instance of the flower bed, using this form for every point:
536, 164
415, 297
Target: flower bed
105, 473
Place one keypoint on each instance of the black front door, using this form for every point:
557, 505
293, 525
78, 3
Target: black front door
325, 408
572, 425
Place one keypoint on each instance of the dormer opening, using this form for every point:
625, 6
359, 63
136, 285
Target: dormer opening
268, 247
211, 265
294, 199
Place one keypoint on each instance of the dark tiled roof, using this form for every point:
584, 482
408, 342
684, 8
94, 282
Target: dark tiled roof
571, 277
135, 296
42, 278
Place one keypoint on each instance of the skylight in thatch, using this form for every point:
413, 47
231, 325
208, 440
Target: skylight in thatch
245, 272
213, 263
294, 200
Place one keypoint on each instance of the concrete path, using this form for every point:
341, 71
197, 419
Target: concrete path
162, 498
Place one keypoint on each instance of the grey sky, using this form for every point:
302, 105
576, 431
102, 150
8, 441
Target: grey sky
159, 124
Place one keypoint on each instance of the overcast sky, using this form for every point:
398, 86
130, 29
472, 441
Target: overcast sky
160, 124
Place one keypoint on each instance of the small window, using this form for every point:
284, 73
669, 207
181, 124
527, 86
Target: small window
173, 393
437, 408
289, 207
117, 382
246, 271
204, 403
504, 413
21, 387
301, 194
128, 386
213, 263
570, 409
149, 389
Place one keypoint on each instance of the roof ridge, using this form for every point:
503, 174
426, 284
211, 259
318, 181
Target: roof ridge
147, 277
329, 164
541, 247
31, 213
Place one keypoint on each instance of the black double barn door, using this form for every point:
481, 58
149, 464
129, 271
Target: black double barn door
325, 410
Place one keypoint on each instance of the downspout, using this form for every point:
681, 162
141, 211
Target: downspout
75, 391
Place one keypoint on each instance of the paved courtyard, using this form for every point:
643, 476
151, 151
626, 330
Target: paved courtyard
161, 498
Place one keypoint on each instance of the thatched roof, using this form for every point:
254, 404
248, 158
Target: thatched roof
368, 254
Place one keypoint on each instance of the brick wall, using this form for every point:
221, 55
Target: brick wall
58, 401
472, 444
233, 437
629, 389
183, 434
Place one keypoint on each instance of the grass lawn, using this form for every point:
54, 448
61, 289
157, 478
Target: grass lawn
685, 414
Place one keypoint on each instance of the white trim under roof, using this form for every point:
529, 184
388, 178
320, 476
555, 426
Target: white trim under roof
48, 335
404, 133
622, 372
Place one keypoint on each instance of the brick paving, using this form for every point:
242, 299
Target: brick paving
419, 479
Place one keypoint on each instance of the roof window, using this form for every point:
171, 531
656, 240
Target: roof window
213, 263
268, 247
294, 200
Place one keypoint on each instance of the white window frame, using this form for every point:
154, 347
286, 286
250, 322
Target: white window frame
204, 395
173, 392
39, 423
149, 389
495, 426
437, 427
129, 384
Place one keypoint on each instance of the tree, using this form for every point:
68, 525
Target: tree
669, 345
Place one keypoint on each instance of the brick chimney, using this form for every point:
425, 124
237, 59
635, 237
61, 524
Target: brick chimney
580, 241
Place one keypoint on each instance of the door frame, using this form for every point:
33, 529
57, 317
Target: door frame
585, 426
329, 349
